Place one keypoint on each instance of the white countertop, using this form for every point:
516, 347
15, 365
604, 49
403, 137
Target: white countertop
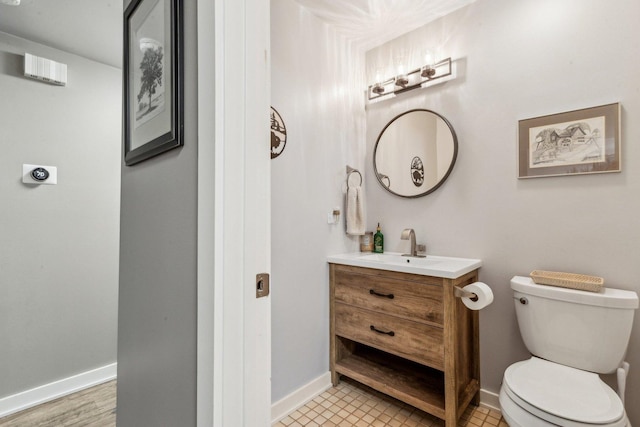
431, 265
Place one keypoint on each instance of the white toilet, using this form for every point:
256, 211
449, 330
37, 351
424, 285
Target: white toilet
573, 336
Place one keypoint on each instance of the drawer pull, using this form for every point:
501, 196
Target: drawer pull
372, 292
390, 333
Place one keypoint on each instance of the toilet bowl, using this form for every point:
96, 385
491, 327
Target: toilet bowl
573, 336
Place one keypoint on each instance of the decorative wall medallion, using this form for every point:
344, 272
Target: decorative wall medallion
278, 134
417, 171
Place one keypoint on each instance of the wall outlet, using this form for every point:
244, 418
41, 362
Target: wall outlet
39, 174
333, 217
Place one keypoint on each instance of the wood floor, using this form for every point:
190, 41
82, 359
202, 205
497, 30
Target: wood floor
93, 407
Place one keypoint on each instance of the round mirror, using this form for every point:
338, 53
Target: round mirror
415, 153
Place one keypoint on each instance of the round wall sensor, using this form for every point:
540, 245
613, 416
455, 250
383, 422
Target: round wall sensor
40, 174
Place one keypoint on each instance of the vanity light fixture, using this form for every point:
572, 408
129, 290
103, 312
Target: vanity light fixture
402, 79
428, 72
420, 77
378, 89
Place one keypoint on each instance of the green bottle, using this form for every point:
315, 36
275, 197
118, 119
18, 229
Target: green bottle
378, 241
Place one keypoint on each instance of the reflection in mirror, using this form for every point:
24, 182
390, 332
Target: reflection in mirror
415, 153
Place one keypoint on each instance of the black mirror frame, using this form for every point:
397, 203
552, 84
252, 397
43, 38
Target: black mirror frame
446, 175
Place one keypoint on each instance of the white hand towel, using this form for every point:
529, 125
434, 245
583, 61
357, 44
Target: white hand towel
355, 211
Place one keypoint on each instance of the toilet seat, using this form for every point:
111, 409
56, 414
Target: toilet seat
516, 416
563, 395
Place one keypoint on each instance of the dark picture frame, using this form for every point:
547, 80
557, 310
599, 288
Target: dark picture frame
575, 142
153, 82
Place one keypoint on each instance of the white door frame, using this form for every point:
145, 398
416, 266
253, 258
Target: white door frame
234, 223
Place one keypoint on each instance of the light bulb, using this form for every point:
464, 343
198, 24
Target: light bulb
428, 58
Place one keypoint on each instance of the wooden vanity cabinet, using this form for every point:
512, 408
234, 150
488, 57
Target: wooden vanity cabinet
405, 335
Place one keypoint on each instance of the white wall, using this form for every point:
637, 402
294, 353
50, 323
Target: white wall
313, 75
59, 243
514, 60
519, 60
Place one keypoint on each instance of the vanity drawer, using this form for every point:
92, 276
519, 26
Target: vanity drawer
410, 300
415, 341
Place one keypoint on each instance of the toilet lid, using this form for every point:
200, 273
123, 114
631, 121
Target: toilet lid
565, 392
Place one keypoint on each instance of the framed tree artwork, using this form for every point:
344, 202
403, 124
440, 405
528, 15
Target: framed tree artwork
153, 79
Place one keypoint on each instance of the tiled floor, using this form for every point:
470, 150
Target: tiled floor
353, 404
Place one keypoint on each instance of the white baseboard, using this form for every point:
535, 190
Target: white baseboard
298, 398
489, 399
47, 392
307, 392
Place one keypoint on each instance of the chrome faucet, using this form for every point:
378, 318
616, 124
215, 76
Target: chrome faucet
409, 234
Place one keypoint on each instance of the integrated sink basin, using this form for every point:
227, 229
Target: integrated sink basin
401, 259
431, 265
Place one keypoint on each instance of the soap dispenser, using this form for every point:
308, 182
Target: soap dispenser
378, 241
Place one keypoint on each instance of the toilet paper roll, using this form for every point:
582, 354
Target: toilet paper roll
484, 293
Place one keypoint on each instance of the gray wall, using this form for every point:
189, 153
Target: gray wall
519, 60
157, 300
59, 243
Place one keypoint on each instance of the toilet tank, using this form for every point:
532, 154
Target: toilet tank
584, 330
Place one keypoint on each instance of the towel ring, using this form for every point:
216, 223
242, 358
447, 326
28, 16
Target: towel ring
351, 171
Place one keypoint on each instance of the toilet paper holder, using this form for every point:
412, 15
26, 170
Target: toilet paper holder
461, 293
